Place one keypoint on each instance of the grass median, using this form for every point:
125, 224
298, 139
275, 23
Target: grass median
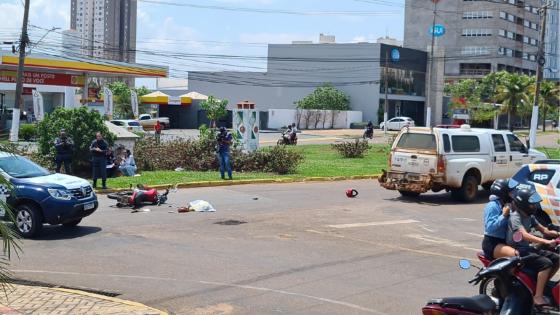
319, 161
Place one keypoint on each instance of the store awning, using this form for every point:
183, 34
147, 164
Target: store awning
156, 97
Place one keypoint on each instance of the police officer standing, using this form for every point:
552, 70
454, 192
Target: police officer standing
99, 149
64, 150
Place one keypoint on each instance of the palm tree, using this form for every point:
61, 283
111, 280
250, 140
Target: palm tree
550, 98
8, 234
513, 92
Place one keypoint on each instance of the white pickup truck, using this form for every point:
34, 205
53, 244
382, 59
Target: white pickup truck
148, 123
454, 159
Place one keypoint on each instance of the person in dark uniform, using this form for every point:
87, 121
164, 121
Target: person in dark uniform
99, 149
64, 150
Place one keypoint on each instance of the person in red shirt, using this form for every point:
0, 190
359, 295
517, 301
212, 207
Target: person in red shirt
157, 129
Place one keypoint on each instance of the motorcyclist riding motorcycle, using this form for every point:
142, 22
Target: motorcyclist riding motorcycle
496, 216
525, 204
368, 131
288, 137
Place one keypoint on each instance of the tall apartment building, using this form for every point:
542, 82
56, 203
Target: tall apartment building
480, 36
552, 47
107, 28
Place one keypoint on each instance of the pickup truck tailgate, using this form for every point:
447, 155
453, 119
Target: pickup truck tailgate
413, 162
415, 153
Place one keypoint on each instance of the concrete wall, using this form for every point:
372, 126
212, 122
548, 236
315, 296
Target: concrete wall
278, 118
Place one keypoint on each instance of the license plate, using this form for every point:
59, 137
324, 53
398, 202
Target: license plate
412, 163
89, 206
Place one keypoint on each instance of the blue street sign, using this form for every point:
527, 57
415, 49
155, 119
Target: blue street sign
395, 55
437, 31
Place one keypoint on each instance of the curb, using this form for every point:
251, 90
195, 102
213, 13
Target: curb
249, 182
107, 298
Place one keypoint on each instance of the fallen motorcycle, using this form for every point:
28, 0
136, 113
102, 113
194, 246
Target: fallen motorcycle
138, 197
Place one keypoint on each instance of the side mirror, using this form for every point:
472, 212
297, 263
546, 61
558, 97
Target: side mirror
464, 264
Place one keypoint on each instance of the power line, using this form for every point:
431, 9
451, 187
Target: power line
273, 11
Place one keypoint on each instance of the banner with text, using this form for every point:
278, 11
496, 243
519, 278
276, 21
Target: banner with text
43, 78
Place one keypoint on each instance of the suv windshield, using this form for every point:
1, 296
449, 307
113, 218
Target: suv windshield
420, 141
20, 167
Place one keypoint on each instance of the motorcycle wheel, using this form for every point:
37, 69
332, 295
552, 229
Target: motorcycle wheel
280, 142
118, 195
490, 287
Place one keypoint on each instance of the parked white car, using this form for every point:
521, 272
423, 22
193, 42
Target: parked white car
454, 159
397, 123
129, 124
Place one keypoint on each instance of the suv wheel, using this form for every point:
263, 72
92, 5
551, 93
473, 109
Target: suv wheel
72, 223
468, 189
28, 220
409, 194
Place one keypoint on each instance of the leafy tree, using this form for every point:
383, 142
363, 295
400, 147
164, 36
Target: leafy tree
550, 98
325, 97
513, 93
215, 109
121, 98
80, 124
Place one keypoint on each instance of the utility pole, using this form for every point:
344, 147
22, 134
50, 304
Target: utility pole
18, 106
540, 67
386, 103
429, 99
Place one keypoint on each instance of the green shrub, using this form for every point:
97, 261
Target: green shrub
27, 132
355, 149
200, 155
282, 160
81, 124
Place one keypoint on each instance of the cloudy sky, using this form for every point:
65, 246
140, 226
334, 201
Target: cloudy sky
234, 30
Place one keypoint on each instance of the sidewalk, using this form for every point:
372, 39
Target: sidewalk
40, 300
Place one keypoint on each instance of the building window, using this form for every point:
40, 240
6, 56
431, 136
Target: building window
477, 15
468, 32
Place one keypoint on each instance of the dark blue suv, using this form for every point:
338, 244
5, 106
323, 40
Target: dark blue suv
38, 196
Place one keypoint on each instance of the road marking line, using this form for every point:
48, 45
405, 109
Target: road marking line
353, 225
212, 283
411, 250
464, 219
475, 234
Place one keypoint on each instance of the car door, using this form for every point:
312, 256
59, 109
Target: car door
396, 124
500, 160
518, 153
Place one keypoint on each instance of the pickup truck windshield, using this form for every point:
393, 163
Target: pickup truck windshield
20, 167
420, 141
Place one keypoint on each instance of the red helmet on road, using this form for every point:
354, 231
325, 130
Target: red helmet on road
351, 193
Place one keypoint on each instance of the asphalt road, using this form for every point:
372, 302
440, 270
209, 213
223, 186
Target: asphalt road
301, 248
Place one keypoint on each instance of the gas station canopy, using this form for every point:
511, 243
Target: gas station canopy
72, 71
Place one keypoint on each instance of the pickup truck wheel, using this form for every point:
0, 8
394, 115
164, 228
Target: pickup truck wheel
72, 223
28, 220
409, 194
468, 189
